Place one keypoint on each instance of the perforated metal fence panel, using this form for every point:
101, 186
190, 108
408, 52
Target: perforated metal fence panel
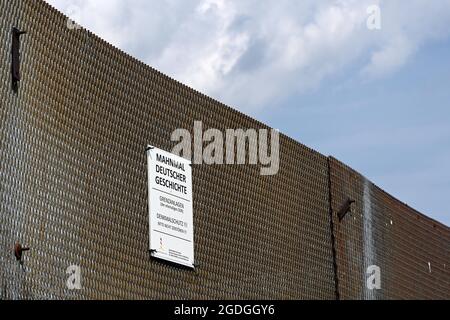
74, 182
411, 250
73, 187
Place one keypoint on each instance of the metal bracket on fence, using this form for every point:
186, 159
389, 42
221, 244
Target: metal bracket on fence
15, 53
346, 208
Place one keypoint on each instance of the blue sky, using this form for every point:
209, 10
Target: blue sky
378, 100
395, 131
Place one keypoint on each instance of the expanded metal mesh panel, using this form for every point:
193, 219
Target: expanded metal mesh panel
412, 251
73, 187
74, 183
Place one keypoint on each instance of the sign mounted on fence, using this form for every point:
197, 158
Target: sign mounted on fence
170, 207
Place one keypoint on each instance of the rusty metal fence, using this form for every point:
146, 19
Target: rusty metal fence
73, 187
412, 251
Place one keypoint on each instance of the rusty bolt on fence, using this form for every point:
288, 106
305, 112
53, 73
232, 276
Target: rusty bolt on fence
18, 252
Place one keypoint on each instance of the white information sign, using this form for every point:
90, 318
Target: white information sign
170, 207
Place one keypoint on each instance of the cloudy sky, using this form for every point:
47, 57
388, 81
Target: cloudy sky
376, 99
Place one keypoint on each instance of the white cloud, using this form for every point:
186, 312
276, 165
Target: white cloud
392, 56
248, 53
